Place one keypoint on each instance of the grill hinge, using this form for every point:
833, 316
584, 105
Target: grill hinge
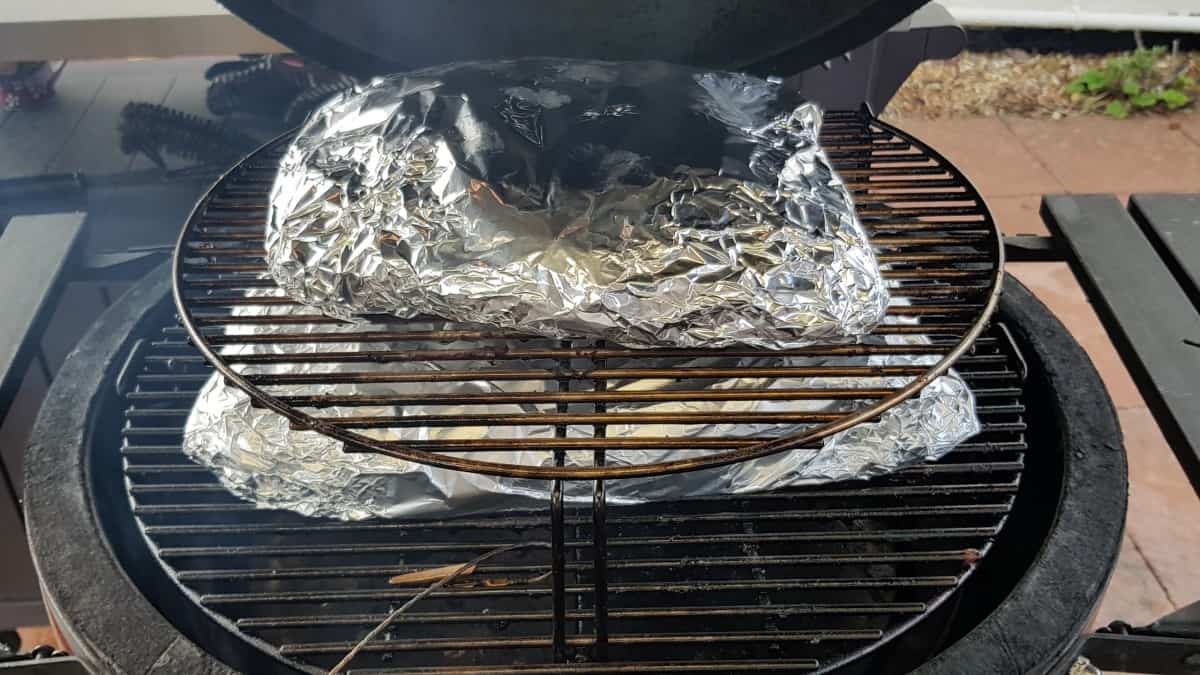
128, 369
1009, 346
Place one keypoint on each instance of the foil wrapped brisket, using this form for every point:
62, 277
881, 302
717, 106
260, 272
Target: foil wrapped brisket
642, 203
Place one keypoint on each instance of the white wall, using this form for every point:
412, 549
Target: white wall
22, 11
1119, 6
1160, 15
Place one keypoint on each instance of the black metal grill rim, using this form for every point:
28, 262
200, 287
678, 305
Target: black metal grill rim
853, 125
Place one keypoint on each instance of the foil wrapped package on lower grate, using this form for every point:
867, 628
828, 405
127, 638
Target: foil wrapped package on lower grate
259, 457
646, 204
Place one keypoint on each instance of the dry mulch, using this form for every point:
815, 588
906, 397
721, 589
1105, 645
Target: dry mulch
1002, 83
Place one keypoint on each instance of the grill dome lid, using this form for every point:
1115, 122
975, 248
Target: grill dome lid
373, 37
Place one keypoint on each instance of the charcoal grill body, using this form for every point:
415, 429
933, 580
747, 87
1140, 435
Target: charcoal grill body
125, 609
1022, 612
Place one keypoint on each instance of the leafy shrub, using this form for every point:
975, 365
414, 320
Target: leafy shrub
1146, 79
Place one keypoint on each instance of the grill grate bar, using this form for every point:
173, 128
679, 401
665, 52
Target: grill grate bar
194, 264
540, 419
326, 598
869, 192
450, 336
888, 535
355, 400
499, 354
538, 522
390, 356
888, 221
445, 644
638, 667
134, 452
219, 319
451, 445
169, 343
320, 319
208, 246
387, 356
935, 291
1008, 486
376, 571
351, 400
367, 377
931, 273
236, 282
156, 471
912, 197
882, 189
265, 623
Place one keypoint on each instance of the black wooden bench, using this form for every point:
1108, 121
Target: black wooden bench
1140, 268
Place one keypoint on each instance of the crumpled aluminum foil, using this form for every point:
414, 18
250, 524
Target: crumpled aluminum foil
258, 457
642, 203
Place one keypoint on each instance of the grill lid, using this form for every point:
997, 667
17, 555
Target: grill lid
374, 37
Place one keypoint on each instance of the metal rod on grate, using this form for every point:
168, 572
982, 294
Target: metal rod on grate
600, 534
558, 562
558, 567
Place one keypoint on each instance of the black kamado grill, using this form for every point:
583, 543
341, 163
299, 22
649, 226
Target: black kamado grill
990, 560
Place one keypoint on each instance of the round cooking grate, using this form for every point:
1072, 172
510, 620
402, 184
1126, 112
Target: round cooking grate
797, 580
941, 252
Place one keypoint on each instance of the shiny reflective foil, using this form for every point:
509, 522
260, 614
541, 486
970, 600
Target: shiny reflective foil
258, 457
642, 203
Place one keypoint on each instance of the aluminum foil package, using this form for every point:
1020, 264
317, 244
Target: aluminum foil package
260, 458
643, 203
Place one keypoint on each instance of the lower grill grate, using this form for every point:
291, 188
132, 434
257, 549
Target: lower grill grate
803, 579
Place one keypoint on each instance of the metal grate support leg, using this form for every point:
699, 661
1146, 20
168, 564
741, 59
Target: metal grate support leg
600, 536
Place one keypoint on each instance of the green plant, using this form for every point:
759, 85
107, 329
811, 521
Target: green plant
1146, 79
